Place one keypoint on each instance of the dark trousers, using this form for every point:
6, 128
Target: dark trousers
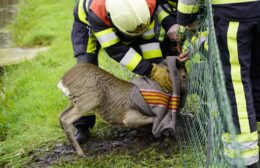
238, 43
239, 46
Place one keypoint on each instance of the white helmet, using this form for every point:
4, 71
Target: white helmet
131, 17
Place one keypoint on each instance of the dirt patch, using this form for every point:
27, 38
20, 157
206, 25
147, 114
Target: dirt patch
117, 140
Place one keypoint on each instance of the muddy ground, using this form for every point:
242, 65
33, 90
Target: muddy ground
117, 140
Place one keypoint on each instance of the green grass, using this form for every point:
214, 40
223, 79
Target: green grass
30, 101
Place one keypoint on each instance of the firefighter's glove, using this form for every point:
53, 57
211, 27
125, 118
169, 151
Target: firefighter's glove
161, 75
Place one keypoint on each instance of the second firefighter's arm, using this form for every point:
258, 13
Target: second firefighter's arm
187, 11
164, 18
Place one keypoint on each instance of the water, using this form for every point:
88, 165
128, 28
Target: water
7, 14
8, 54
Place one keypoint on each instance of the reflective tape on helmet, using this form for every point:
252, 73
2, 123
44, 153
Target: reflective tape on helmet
107, 37
188, 7
149, 33
161, 14
131, 59
151, 50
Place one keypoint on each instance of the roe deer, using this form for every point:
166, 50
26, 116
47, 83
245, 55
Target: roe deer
91, 90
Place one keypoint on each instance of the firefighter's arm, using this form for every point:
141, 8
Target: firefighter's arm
187, 11
169, 20
166, 19
127, 56
109, 40
79, 35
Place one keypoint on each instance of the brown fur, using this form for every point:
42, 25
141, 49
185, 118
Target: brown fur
182, 72
93, 90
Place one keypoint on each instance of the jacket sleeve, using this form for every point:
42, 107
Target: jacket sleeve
187, 11
118, 51
79, 35
164, 18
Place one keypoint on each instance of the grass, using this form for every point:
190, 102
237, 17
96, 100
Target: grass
30, 101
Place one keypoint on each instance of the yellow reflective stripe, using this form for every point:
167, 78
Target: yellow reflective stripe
110, 43
151, 50
152, 54
258, 126
149, 33
215, 2
194, 39
236, 77
243, 146
161, 14
92, 44
107, 37
148, 36
150, 46
172, 4
201, 37
244, 154
131, 59
204, 33
240, 138
188, 9
206, 46
246, 161
104, 32
81, 13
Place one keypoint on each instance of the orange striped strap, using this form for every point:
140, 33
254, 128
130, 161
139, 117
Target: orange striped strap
153, 97
174, 103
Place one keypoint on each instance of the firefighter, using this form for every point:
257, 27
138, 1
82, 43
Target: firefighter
126, 31
237, 26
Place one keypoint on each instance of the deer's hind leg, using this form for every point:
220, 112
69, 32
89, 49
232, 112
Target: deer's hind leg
135, 119
67, 119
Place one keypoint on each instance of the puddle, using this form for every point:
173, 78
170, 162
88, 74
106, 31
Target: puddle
15, 55
9, 55
8, 11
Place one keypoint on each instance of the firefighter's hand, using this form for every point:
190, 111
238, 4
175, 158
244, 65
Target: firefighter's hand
173, 32
183, 56
161, 75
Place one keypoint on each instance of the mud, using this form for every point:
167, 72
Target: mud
116, 140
